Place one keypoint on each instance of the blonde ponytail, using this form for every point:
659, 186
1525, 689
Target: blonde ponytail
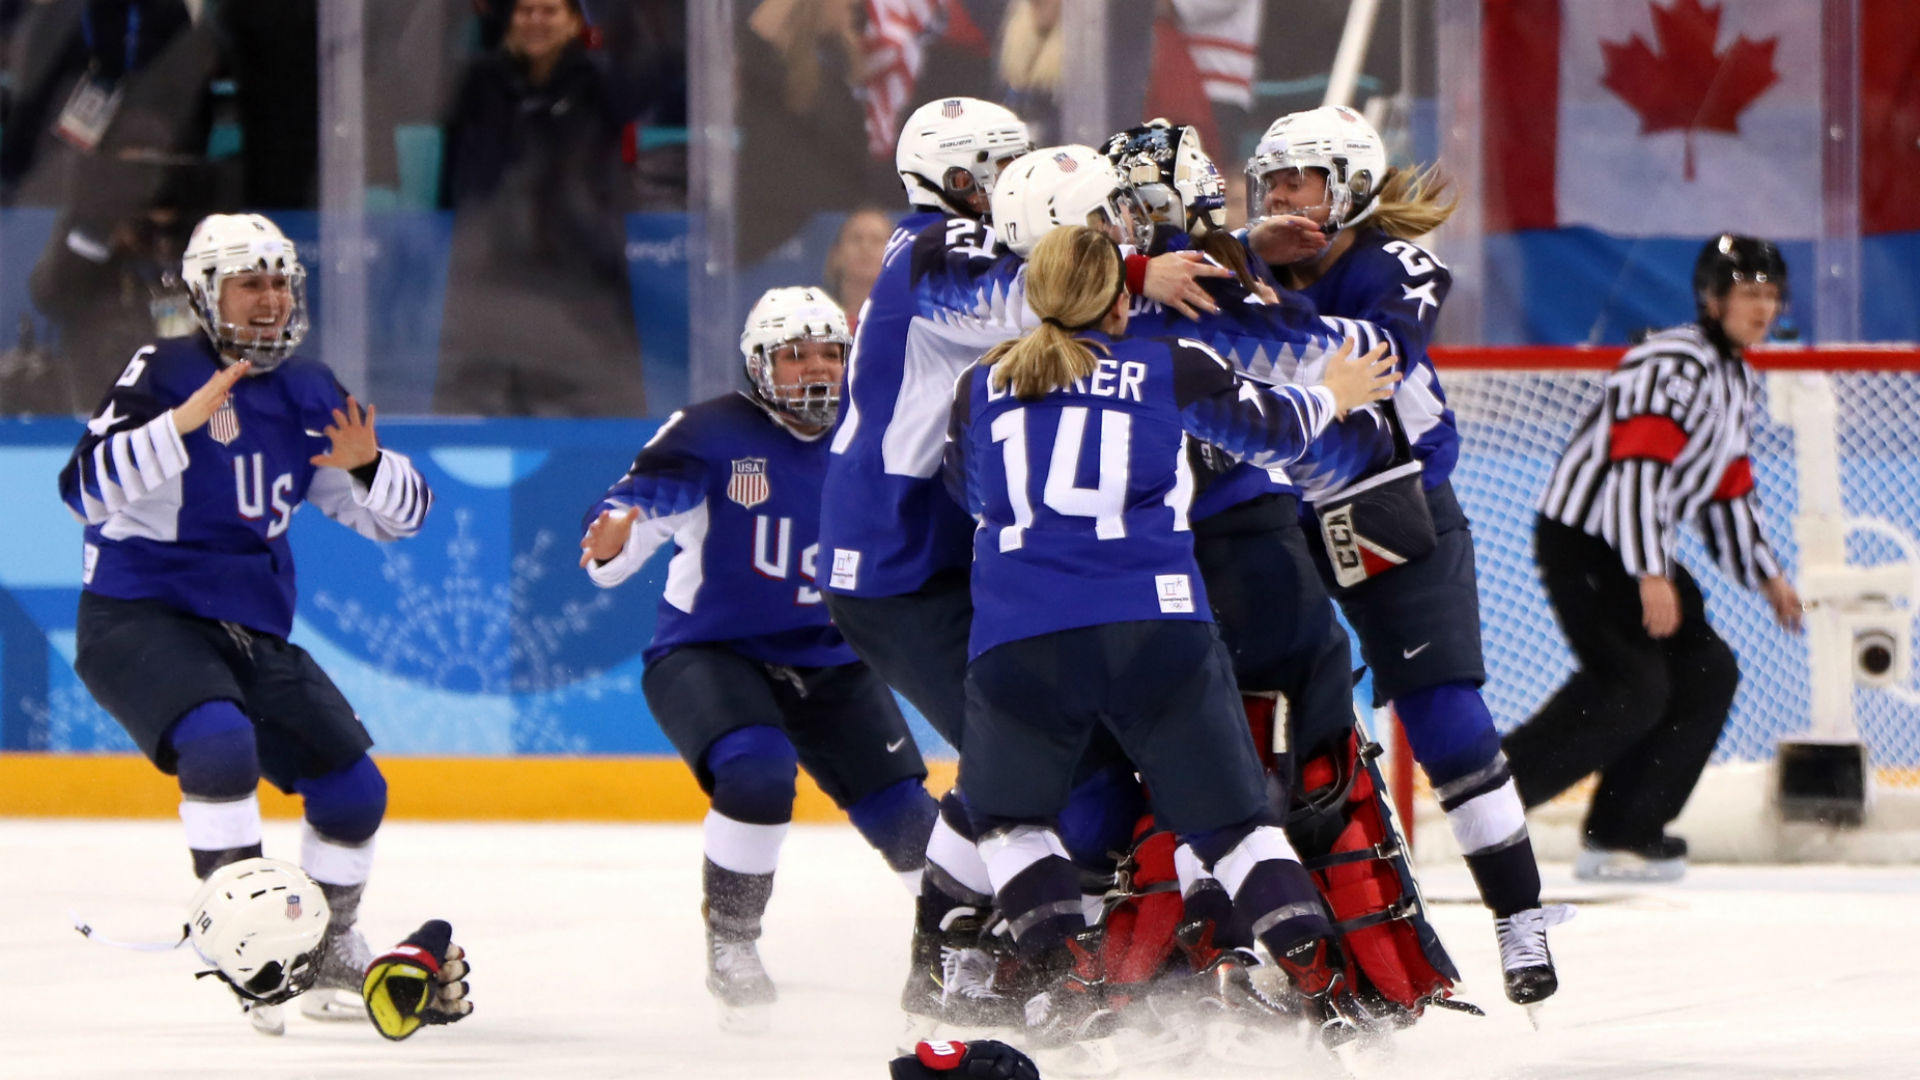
1409, 206
1073, 278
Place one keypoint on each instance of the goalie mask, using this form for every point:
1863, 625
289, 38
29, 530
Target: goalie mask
249, 247
1067, 185
783, 318
1179, 184
262, 924
951, 152
1333, 139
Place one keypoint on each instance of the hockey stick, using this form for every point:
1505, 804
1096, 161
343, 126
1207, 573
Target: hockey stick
87, 931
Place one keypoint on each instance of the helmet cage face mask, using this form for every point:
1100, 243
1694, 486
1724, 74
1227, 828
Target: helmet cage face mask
813, 403
243, 341
783, 318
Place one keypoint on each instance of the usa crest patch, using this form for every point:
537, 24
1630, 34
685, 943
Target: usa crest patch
225, 425
748, 485
950, 108
1065, 161
293, 906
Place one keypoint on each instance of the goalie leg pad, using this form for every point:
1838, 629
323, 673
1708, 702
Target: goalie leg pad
1348, 839
1144, 911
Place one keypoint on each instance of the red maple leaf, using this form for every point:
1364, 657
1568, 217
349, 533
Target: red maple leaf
1688, 86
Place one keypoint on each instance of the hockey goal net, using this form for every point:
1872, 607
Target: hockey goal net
1846, 414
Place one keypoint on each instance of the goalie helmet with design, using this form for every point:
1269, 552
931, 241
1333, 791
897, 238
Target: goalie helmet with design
227, 246
262, 924
951, 152
783, 318
1173, 176
1334, 139
1066, 185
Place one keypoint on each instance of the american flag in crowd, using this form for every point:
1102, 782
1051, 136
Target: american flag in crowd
748, 485
225, 425
897, 33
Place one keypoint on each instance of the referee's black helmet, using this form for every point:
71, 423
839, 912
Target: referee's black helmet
1727, 259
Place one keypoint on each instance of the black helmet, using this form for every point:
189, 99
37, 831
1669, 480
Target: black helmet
1728, 258
1173, 176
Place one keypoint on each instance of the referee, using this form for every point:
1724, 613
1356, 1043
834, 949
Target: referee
1669, 442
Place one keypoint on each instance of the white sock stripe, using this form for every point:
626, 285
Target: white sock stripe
911, 879
219, 826
331, 863
958, 858
1010, 851
741, 847
1263, 843
1485, 821
1186, 866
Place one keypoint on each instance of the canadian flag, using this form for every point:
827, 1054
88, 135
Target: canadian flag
1656, 117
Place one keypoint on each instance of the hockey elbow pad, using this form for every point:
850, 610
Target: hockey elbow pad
422, 981
984, 1059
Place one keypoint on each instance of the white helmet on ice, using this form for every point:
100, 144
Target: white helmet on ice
951, 150
1334, 139
787, 316
227, 245
262, 924
1066, 185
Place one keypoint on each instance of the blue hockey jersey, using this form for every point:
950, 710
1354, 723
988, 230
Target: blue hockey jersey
738, 493
886, 524
1082, 496
199, 521
1399, 286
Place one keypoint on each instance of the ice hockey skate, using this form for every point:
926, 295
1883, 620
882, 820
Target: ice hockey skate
335, 997
1524, 955
739, 984
1664, 859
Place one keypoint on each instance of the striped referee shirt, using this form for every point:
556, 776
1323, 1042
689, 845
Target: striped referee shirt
1668, 443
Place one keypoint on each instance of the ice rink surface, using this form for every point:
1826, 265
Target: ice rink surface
586, 944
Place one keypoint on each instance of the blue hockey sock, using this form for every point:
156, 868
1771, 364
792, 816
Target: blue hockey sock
897, 820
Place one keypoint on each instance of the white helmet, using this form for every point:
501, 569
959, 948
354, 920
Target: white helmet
261, 923
782, 317
224, 245
1065, 185
1334, 139
951, 150
1173, 176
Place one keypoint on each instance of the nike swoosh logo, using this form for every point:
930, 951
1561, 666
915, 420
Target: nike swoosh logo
896, 744
1408, 654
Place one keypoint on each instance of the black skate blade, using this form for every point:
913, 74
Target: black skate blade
1456, 1005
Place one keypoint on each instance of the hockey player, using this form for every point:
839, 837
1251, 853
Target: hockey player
746, 674
187, 478
894, 546
1337, 224
1068, 444
1669, 442
1291, 657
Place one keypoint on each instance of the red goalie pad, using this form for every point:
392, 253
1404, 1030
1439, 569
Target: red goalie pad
1141, 922
1364, 876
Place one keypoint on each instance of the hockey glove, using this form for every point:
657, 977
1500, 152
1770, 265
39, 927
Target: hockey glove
984, 1060
422, 981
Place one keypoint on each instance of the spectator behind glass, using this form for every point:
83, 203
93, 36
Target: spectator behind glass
853, 263
804, 147
105, 300
539, 317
